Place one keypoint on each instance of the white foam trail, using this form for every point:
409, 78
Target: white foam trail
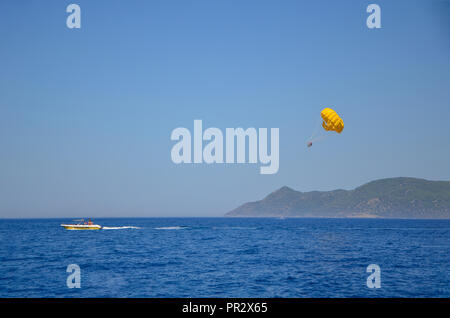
119, 227
170, 228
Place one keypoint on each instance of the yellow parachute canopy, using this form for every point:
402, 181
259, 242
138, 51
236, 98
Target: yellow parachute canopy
331, 120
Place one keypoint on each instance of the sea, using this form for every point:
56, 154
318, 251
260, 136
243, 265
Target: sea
226, 257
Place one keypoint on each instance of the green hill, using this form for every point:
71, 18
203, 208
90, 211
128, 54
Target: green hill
386, 198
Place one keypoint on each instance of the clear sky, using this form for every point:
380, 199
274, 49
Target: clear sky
86, 115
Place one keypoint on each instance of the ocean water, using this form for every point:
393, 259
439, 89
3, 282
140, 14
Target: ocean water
226, 257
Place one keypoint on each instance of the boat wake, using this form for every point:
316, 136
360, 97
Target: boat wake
170, 228
119, 227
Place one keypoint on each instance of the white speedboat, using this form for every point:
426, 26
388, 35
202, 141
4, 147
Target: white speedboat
82, 225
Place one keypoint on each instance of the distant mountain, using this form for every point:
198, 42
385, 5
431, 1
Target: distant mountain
385, 198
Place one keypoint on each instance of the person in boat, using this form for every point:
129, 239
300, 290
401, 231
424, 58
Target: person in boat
90, 222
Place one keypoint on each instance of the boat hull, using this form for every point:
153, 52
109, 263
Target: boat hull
81, 226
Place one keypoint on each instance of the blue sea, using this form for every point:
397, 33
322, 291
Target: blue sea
226, 257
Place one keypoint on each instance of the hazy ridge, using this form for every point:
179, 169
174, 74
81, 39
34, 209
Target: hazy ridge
387, 198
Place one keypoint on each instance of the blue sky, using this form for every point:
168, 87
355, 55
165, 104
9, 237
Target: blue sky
86, 115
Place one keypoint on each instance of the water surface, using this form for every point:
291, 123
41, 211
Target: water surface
226, 257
